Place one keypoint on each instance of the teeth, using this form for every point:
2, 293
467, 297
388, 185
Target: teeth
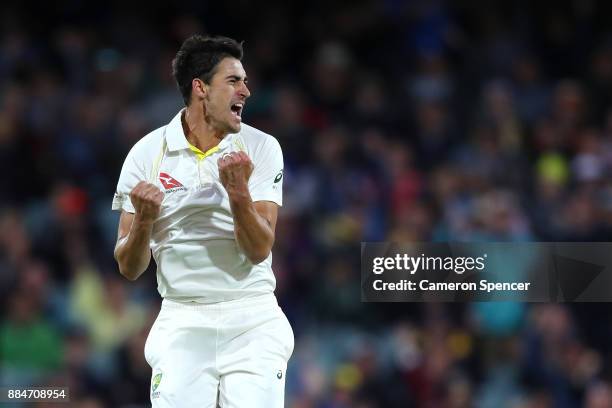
237, 108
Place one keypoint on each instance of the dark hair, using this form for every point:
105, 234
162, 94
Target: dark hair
198, 57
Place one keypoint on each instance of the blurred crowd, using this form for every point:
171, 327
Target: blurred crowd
407, 121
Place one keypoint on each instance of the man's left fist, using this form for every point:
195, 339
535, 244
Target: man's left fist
235, 169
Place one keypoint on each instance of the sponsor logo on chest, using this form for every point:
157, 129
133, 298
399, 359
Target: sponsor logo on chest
170, 183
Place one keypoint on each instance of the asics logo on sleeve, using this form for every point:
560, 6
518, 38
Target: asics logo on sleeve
278, 177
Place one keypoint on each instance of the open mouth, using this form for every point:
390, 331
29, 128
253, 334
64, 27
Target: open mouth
237, 110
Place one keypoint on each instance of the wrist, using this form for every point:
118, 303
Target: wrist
238, 194
143, 221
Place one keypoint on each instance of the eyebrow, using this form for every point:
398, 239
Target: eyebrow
237, 78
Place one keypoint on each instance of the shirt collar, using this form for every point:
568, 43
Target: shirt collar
175, 136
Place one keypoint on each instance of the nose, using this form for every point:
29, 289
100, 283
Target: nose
244, 91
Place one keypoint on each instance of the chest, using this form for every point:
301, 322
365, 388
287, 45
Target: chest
183, 170
189, 182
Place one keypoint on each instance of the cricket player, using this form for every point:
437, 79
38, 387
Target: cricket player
202, 195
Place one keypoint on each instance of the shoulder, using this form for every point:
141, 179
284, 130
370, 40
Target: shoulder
149, 146
258, 141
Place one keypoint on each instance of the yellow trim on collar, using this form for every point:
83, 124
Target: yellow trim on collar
200, 154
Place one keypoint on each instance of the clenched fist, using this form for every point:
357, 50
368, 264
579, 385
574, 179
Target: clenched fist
234, 170
146, 199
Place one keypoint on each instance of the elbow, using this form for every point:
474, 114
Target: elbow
130, 266
128, 273
258, 257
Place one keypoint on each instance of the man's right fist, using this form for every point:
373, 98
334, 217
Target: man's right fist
146, 199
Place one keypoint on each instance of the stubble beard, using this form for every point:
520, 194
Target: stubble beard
225, 127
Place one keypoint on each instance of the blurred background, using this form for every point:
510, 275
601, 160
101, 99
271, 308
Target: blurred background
400, 120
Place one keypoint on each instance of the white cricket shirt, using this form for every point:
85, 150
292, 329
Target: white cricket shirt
193, 242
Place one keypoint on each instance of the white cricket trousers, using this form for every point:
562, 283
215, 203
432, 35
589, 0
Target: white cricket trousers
231, 354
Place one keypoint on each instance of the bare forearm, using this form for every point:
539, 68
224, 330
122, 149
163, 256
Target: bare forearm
132, 252
253, 233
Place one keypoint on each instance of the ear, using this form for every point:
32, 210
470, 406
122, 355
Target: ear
198, 88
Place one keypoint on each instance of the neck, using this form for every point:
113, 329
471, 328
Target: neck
198, 129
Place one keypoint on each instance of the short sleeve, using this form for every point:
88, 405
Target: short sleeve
132, 173
266, 182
